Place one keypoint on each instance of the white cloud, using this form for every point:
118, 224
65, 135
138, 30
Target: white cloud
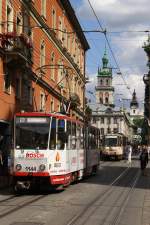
118, 13
121, 15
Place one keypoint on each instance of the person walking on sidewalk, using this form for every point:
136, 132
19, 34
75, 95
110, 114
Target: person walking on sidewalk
129, 153
144, 159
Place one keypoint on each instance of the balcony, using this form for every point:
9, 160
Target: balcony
75, 100
17, 48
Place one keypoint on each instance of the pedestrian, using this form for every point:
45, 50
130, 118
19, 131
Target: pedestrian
129, 153
144, 159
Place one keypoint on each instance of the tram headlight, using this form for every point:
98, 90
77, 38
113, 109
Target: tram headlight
18, 167
42, 167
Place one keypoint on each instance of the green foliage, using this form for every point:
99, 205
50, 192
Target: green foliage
138, 122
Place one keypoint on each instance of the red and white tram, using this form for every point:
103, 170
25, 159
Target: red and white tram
52, 149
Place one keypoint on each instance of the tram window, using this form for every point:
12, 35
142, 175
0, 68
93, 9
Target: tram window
53, 134
82, 139
92, 139
73, 138
78, 136
69, 134
31, 134
61, 135
111, 141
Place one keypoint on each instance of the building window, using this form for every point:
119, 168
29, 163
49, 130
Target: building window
115, 130
54, 19
115, 120
19, 24
26, 23
108, 130
42, 54
60, 33
60, 74
65, 38
9, 18
52, 105
43, 8
106, 100
108, 120
102, 120
52, 68
102, 131
101, 82
68, 43
134, 111
7, 82
107, 82
101, 100
42, 101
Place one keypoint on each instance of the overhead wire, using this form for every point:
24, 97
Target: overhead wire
105, 34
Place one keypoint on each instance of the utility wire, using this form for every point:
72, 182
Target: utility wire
109, 45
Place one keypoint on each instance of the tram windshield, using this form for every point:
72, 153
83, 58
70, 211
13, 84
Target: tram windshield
32, 132
111, 142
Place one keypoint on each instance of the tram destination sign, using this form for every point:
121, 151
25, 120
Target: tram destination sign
33, 120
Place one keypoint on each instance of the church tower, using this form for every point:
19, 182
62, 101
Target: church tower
104, 89
134, 106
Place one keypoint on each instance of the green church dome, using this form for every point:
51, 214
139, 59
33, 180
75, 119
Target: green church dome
105, 70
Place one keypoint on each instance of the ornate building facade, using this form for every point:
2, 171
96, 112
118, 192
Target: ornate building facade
42, 59
146, 79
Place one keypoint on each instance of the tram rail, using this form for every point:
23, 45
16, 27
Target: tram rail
16, 203
9, 210
83, 216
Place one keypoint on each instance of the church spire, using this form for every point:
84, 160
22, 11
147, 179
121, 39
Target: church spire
134, 101
104, 88
105, 60
105, 70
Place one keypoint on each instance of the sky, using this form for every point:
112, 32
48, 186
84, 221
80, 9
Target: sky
125, 22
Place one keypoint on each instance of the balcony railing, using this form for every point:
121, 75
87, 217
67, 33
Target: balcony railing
17, 44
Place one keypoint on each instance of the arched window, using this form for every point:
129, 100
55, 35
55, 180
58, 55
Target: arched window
43, 8
101, 100
101, 82
53, 19
9, 17
19, 23
106, 98
52, 105
60, 33
107, 82
42, 54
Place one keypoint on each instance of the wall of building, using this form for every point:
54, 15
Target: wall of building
62, 46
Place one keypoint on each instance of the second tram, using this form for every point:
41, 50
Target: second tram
113, 146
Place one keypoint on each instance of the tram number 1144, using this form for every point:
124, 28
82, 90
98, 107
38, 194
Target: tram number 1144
30, 168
